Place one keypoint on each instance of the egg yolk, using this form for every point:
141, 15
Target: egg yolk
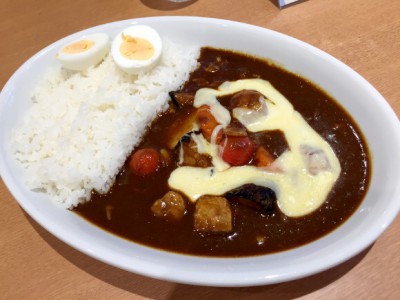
78, 47
136, 48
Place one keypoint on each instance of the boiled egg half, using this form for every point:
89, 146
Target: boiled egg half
84, 52
137, 49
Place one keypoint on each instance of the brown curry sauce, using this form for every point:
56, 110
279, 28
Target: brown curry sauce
125, 210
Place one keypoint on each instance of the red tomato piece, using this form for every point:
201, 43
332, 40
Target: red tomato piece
237, 150
144, 161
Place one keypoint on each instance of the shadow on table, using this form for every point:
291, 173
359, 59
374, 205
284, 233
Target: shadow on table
138, 284
166, 4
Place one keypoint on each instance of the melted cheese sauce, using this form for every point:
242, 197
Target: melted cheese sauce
302, 176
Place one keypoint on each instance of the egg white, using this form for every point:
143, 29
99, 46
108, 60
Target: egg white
133, 66
85, 59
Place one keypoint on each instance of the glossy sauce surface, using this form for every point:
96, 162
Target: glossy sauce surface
125, 210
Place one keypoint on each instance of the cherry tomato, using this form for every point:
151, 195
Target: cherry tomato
207, 123
144, 161
237, 150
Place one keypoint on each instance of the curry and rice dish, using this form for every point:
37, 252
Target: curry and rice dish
202, 185
242, 158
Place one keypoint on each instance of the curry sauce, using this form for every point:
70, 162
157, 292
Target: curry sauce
126, 209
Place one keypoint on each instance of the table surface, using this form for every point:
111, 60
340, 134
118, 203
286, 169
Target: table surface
365, 34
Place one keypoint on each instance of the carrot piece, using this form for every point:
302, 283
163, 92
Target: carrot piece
207, 122
263, 158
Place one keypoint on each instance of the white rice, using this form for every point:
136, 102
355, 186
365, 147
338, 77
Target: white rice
82, 126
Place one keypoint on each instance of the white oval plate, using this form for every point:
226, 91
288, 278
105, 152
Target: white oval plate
378, 122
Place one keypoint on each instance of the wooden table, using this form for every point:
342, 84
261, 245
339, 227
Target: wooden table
364, 34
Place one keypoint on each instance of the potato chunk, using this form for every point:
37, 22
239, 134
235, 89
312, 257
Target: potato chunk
190, 156
315, 159
171, 206
212, 214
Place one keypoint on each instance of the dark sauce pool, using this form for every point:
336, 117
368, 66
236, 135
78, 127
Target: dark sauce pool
125, 210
